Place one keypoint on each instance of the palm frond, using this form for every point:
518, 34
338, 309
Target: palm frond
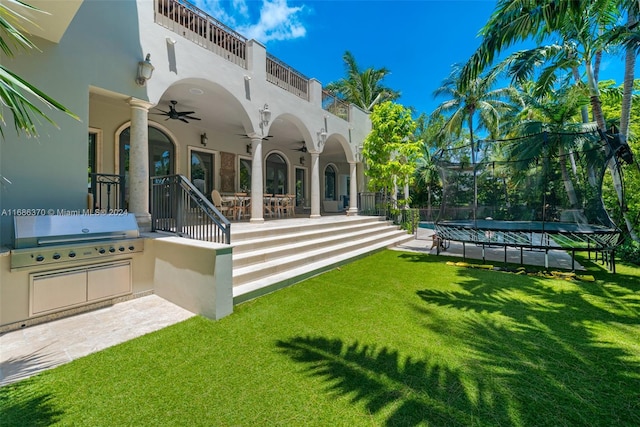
12, 93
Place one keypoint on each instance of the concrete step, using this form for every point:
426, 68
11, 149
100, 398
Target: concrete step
266, 284
283, 229
279, 264
261, 250
275, 254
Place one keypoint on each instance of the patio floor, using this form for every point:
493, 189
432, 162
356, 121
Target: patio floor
26, 352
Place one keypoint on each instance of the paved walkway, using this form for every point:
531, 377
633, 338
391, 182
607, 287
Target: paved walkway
28, 351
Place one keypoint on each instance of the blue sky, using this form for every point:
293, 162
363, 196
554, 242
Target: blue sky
417, 40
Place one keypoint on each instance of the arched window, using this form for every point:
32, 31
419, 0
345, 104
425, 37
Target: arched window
330, 183
161, 153
276, 175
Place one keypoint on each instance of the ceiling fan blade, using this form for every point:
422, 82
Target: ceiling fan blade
183, 120
185, 113
191, 118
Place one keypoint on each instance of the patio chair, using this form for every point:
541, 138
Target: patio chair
287, 205
226, 207
243, 205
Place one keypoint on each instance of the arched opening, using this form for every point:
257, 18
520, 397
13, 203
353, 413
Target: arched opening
161, 154
276, 175
330, 183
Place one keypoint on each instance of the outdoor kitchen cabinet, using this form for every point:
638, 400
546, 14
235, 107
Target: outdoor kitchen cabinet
62, 289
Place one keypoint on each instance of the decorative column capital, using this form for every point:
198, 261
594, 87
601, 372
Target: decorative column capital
139, 103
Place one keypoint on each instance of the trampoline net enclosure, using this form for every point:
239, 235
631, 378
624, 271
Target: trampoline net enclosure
542, 191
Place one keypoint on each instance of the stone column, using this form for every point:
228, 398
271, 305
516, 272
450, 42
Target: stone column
257, 190
353, 189
315, 185
139, 163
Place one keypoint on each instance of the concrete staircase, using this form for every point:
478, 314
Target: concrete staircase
270, 256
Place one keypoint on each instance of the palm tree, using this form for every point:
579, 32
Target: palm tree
580, 24
14, 89
554, 112
362, 88
427, 173
471, 99
631, 40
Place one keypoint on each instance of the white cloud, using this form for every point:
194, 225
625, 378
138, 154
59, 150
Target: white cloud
277, 21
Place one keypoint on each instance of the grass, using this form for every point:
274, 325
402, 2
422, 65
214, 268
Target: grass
396, 339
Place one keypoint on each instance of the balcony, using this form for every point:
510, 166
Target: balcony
282, 75
196, 25
335, 105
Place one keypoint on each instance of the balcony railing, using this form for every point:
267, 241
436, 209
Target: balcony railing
177, 206
282, 75
335, 105
194, 24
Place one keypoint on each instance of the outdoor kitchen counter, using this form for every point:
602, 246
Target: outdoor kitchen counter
194, 275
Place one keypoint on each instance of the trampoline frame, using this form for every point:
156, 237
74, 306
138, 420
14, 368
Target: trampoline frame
532, 235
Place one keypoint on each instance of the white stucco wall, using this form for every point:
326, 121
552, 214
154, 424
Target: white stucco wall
98, 54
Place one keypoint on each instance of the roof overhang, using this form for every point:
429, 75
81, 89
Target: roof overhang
50, 25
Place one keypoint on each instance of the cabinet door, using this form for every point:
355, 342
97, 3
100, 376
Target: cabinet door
58, 291
108, 281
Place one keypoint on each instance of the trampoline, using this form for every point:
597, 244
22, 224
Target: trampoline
539, 192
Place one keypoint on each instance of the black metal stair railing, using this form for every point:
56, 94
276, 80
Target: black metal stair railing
177, 206
108, 193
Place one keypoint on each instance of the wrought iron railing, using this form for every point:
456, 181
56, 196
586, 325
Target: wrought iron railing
335, 105
196, 25
107, 193
372, 204
177, 206
282, 75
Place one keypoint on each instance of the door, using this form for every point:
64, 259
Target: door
301, 187
201, 173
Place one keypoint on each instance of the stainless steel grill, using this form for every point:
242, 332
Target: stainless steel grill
53, 239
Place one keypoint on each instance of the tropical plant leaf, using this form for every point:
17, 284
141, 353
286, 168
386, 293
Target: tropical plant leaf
12, 93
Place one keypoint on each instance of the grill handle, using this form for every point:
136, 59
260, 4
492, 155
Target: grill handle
78, 239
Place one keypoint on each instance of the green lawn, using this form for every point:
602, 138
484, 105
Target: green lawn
395, 339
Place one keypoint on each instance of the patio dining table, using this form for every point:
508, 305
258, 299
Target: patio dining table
239, 203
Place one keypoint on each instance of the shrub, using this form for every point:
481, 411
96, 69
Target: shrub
629, 251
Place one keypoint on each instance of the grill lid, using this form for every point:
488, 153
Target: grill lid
47, 230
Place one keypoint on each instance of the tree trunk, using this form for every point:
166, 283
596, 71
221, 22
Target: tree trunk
625, 115
568, 184
616, 178
629, 65
473, 164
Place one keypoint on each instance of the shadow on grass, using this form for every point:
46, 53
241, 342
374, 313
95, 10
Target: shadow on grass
412, 392
25, 404
528, 351
566, 352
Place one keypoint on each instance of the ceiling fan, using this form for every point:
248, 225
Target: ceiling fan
302, 148
264, 138
177, 115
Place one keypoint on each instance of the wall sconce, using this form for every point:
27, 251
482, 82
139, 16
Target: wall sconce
301, 160
265, 116
322, 137
204, 139
359, 157
249, 151
145, 70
